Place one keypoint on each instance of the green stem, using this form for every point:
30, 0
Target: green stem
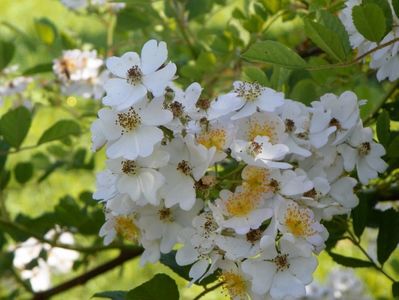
379, 268
207, 290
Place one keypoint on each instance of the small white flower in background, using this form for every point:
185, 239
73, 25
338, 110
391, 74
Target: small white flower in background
79, 73
58, 260
175, 158
385, 60
136, 76
82, 4
75, 4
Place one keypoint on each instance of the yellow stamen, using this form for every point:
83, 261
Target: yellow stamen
299, 221
243, 203
235, 285
213, 138
125, 227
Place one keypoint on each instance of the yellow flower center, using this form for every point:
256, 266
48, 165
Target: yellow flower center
299, 221
241, 204
213, 138
125, 227
249, 91
262, 129
129, 120
256, 180
235, 285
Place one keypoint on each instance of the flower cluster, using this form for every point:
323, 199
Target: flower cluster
37, 260
341, 284
13, 85
79, 73
240, 184
83, 4
385, 60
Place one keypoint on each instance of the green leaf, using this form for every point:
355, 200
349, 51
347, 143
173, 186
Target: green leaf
392, 151
326, 39
113, 295
360, 214
60, 130
46, 30
388, 235
7, 50
23, 172
160, 285
197, 8
257, 75
14, 125
304, 91
395, 4
369, 20
386, 8
350, 261
274, 53
40, 68
383, 128
395, 289
333, 23
183, 271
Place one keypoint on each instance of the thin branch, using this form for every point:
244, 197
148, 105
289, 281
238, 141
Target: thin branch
379, 268
355, 61
207, 290
123, 257
374, 113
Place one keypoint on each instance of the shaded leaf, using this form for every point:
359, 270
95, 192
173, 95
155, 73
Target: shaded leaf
160, 284
60, 130
113, 295
383, 128
23, 172
7, 50
40, 68
46, 30
14, 125
257, 75
395, 289
388, 235
350, 261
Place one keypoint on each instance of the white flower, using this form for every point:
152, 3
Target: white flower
261, 153
159, 222
320, 128
14, 86
75, 4
282, 274
136, 76
132, 132
188, 163
198, 245
241, 210
105, 185
300, 222
361, 151
247, 98
139, 178
123, 225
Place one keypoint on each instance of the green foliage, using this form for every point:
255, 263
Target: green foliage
253, 74
395, 289
46, 31
350, 261
388, 237
274, 53
14, 126
370, 20
7, 50
383, 128
160, 284
395, 5
23, 172
60, 130
113, 295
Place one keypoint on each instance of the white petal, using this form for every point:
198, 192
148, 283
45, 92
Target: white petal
157, 82
303, 268
153, 55
122, 94
285, 284
120, 65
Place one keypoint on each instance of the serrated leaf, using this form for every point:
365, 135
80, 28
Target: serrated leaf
256, 75
350, 261
14, 125
369, 20
386, 8
333, 23
274, 53
40, 68
23, 172
60, 130
46, 30
388, 235
160, 284
383, 128
113, 295
326, 39
7, 50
